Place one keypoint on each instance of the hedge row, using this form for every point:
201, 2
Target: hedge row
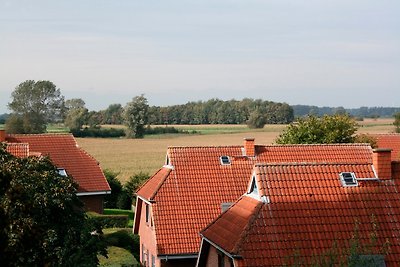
109, 221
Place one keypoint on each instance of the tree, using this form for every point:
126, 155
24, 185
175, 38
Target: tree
74, 103
111, 200
256, 119
76, 118
37, 103
396, 122
314, 130
136, 116
42, 220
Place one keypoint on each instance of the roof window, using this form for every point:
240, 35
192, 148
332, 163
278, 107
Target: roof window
62, 172
225, 160
348, 179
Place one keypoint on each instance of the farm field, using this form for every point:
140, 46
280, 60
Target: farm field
130, 156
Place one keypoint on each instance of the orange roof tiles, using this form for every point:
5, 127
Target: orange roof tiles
190, 195
20, 150
309, 211
391, 141
65, 153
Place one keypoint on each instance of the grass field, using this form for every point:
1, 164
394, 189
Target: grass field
129, 156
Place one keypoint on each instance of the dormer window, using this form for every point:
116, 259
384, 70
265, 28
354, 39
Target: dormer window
225, 160
62, 172
348, 179
253, 187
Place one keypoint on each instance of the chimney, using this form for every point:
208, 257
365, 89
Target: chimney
249, 147
382, 161
2, 135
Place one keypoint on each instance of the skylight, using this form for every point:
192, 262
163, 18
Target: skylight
348, 179
225, 160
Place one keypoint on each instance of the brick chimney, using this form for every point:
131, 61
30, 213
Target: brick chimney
249, 147
2, 135
382, 161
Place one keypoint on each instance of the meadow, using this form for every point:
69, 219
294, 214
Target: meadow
130, 156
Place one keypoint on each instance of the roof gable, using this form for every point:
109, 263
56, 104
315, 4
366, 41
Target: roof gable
309, 211
65, 153
190, 195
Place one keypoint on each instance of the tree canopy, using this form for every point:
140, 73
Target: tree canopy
328, 129
42, 221
35, 104
136, 114
396, 122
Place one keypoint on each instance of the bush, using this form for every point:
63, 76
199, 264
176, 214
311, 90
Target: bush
111, 200
109, 221
124, 238
98, 132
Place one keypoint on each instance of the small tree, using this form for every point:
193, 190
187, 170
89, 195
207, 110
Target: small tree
126, 198
76, 118
37, 103
136, 116
396, 122
256, 119
314, 130
111, 200
42, 220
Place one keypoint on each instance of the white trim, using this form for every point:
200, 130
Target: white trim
144, 200
222, 162
169, 167
93, 193
177, 257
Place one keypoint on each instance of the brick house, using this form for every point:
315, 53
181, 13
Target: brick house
197, 183
65, 153
295, 213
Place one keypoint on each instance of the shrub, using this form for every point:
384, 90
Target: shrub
109, 221
111, 200
98, 132
166, 130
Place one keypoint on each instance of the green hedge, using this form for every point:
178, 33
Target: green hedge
109, 221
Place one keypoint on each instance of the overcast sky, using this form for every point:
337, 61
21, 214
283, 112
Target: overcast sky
317, 52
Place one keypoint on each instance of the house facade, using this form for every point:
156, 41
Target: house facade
197, 183
303, 213
66, 155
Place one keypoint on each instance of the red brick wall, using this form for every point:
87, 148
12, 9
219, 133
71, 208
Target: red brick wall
147, 236
93, 203
212, 258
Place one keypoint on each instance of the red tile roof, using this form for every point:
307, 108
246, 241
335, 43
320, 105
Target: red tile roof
391, 141
308, 212
190, 196
20, 150
65, 153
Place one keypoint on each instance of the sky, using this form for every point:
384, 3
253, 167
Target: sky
315, 52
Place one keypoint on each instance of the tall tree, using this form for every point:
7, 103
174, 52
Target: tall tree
37, 103
42, 221
135, 116
314, 130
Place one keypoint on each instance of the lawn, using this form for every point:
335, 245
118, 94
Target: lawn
118, 257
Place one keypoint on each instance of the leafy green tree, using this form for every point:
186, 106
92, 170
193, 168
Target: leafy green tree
126, 197
74, 103
135, 116
37, 103
42, 220
396, 122
314, 130
256, 119
111, 200
76, 118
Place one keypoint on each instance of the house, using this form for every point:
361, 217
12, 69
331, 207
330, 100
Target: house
65, 153
197, 183
391, 141
298, 213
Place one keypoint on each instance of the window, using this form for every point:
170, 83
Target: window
221, 259
225, 160
62, 172
147, 213
253, 187
153, 261
348, 179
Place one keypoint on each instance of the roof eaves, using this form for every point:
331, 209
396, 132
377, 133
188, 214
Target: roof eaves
152, 196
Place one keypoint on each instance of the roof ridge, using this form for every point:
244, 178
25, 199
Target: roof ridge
316, 163
243, 235
43, 134
210, 146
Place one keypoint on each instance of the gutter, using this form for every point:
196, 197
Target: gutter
167, 257
79, 194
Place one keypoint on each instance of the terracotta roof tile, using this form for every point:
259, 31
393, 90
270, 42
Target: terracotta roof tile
20, 150
190, 196
303, 222
391, 141
65, 153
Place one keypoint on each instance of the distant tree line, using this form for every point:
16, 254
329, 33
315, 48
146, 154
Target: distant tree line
362, 112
